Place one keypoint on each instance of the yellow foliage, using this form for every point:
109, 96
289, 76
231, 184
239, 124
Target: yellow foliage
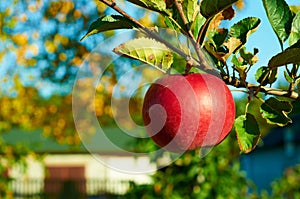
35, 35
20, 55
2, 54
54, 8
20, 39
32, 7
240, 4
33, 48
50, 46
146, 20
62, 18
30, 62
108, 111
63, 56
23, 17
77, 61
100, 6
52, 109
66, 7
77, 14
61, 39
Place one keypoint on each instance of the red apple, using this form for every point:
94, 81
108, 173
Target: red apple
185, 112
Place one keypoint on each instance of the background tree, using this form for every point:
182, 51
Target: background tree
39, 58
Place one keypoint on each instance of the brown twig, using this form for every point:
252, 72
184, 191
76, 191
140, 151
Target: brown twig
267, 90
196, 45
184, 20
202, 31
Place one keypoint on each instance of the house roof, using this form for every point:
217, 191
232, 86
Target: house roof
109, 143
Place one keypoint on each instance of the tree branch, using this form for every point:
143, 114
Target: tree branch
184, 20
203, 62
266, 90
155, 36
227, 79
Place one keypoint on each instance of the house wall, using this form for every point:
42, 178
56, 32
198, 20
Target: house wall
94, 169
264, 166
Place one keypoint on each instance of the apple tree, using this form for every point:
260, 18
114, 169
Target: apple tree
273, 88
233, 63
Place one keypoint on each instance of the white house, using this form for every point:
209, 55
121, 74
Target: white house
95, 172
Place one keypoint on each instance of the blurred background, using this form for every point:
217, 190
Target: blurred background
42, 154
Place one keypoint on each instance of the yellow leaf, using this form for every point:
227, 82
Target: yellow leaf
20, 39
50, 47
67, 7
63, 56
77, 14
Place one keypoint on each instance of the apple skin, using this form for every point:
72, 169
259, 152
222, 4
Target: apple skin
185, 112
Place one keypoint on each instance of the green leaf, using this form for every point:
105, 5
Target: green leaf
191, 9
218, 37
239, 33
109, 22
247, 132
295, 45
295, 31
289, 56
209, 8
243, 28
148, 51
239, 66
236, 61
275, 111
249, 57
266, 76
155, 5
197, 24
280, 18
288, 78
295, 8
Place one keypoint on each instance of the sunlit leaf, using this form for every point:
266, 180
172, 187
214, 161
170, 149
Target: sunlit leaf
191, 9
240, 67
249, 57
266, 76
197, 24
288, 78
275, 111
295, 45
280, 17
239, 33
295, 8
109, 22
243, 28
289, 56
232, 45
295, 32
155, 5
148, 51
218, 36
209, 8
20, 39
247, 132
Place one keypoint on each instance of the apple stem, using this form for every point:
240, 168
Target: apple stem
188, 67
